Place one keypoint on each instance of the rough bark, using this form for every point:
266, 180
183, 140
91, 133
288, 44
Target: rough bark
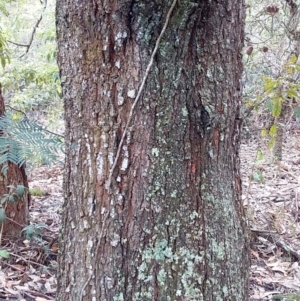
171, 224
17, 212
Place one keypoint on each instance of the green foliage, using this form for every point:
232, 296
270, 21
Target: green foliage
31, 80
258, 176
4, 254
271, 84
278, 91
260, 155
287, 297
35, 191
32, 86
33, 231
24, 140
273, 130
15, 194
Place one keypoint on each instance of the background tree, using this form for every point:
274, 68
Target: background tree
152, 186
272, 70
27, 87
14, 213
30, 79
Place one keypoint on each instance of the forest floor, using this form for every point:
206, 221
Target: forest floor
271, 195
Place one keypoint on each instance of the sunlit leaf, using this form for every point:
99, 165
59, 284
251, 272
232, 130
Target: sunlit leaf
260, 155
270, 85
291, 93
293, 59
273, 130
2, 61
263, 132
276, 107
17, 116
271, 143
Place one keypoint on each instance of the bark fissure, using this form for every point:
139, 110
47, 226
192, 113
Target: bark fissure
156, 179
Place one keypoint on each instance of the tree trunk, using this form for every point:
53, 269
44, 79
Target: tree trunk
168, 224
17, 213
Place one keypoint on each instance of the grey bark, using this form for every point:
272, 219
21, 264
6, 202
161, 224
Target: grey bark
171, 225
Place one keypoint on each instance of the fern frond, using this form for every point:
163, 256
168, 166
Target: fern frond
24, 139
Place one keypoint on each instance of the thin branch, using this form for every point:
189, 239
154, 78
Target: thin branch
293, 6
275, 239
32, 35
27, 46
139, 94
108, 185
17, 44
24, 114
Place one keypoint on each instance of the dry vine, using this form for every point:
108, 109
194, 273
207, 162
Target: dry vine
108, 184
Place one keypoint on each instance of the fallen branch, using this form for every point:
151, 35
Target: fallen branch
275, 239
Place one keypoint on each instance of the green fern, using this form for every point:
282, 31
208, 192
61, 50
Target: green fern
24, 140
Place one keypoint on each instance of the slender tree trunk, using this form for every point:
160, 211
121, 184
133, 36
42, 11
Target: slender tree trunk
17, 213
169, 223
294, 47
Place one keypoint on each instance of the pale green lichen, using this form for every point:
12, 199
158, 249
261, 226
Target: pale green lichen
182, 261
155, 152
194, 215
218, 249
173, 194
184, 111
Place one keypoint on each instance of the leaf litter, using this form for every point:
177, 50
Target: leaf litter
30, 271
273, 214
272, 211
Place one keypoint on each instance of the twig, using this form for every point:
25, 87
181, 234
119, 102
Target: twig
28, 260
108, 185
279, 243
293, 6
14, 222
23, 113
33, 32
17, 44
29, 293
139, 93
12, 267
